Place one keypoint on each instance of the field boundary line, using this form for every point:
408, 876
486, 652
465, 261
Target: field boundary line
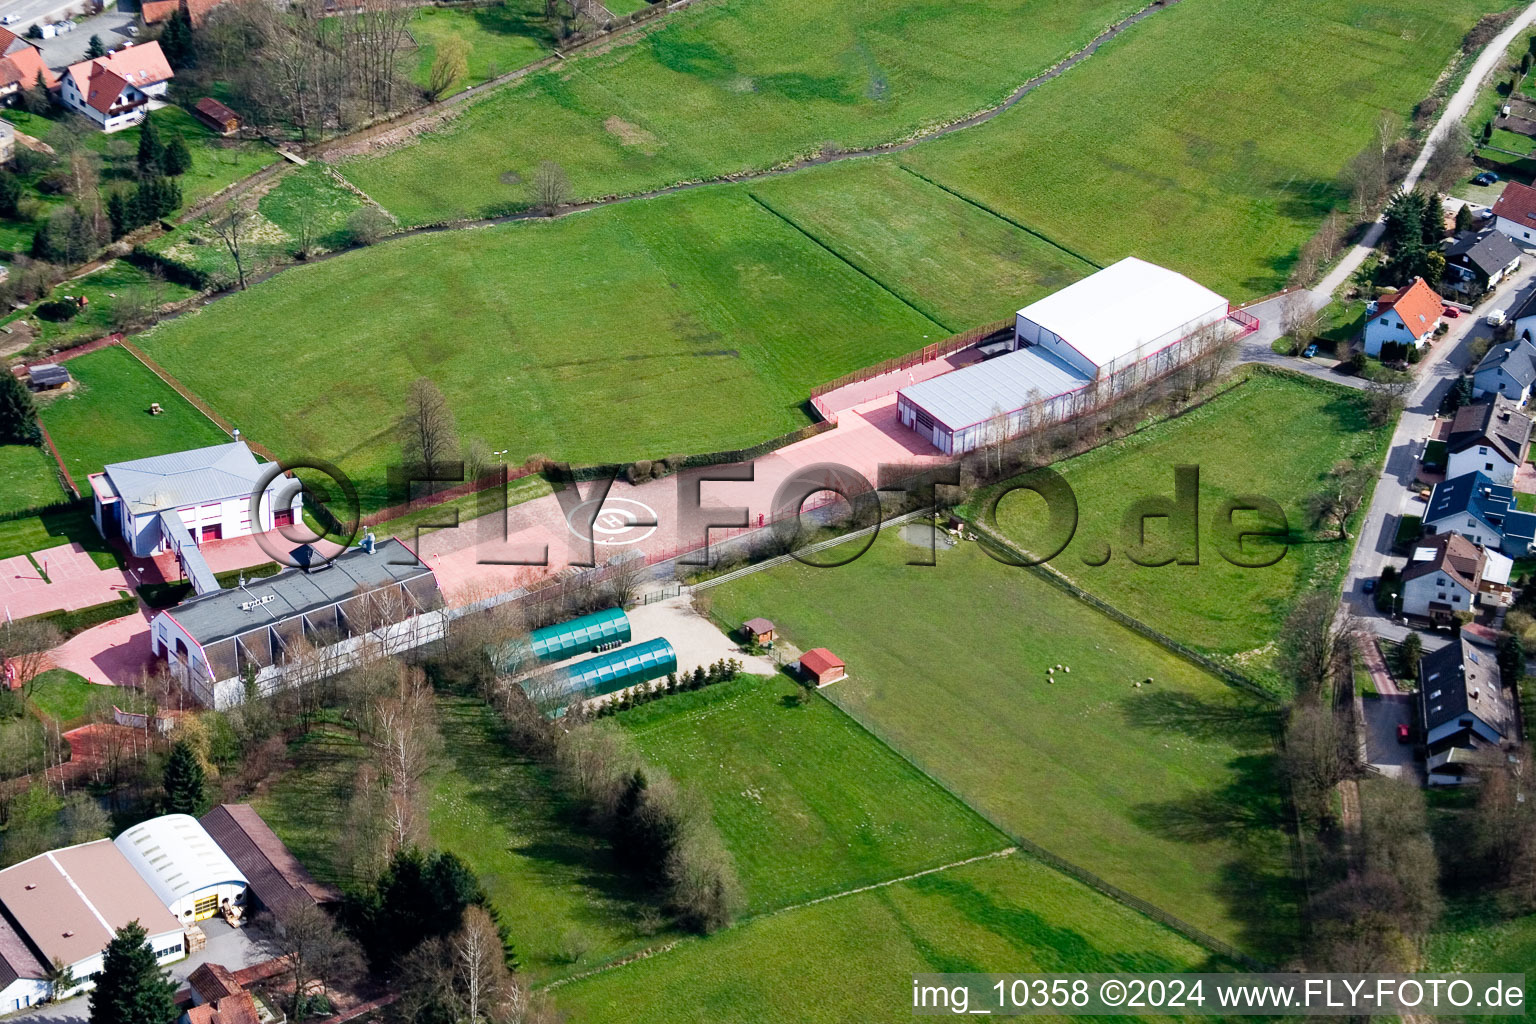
850, 264
984, 208
58, 459
768, 563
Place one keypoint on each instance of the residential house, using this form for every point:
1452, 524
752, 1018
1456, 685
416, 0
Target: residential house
1465, 714
116, 91
218, 998
1508, 368
217, 116
1476, 263
1492, 437
1447, 574
1484, 513
1514, 212
1406, 317
20, 66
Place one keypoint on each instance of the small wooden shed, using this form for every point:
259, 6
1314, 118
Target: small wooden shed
217, 116
822, 666
758, 631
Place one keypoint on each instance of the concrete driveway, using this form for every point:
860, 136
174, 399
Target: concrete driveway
69, 48
697, 640
1383, 752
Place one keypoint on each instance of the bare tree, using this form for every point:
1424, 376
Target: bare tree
625, 577
404, 739
1315, 643
313, 949
1315, 757
26, 651
1343, 493
431, 439
449, 64
229, 225
1299, 319
551, 187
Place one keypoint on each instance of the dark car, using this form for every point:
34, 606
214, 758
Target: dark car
1450, 312
1486, 178
1369, 587
1402, 732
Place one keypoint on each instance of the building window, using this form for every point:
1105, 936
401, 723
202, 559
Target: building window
1487, 465
1455, 599
1440, 596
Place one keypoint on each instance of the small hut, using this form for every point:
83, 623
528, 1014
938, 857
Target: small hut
758, 631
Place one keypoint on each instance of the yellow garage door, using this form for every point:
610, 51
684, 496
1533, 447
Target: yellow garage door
205, 908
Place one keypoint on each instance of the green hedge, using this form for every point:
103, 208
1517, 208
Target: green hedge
79, 620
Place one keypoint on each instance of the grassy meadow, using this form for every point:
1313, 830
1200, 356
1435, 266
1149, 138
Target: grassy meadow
1169, 791
851, 959
1271, 435
808, 802
27, 478
499, 38
106, 291
694, 323
106, 417
730, 87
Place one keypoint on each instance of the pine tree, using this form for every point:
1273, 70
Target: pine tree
177, 158
185, 784
10, 194
131, 988
117, 213
151, 152
176, 42
18, 413
1464, 219
95, 49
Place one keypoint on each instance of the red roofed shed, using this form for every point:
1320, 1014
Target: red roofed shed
823, 666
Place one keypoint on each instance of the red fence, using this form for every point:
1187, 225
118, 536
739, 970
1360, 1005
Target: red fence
1245, 320
926, 354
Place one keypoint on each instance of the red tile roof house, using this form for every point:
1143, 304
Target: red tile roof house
1514, 212
20, 64
823, 666
117, 91
1408, 317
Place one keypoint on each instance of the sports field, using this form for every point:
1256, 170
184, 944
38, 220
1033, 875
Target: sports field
106, 418
852, 959
808, 802
689, 324
1209, 138
27, 478
1169, 791
729, 87
1272, 435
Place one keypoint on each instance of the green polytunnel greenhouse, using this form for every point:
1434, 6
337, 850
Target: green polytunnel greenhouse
588, 634
606, 673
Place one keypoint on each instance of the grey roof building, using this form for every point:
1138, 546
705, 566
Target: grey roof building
1496, 423
1464, 712
185, 478
1485, 258
1508, 369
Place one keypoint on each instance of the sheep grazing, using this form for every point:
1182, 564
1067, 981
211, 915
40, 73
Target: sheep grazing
1067, 669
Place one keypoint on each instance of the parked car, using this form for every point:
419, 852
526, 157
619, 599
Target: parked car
10, 19
1497, 318
1450, 312
1310, 351
1402, 732
1369, 587
1486, 178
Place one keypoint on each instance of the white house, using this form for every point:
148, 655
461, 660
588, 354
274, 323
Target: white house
1508, 368
1443, 577
1406, 318
116, 91
65, 906
1492, 437
187, 870
1514, 212
180, 501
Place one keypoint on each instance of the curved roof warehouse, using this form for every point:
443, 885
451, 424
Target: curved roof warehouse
187, 870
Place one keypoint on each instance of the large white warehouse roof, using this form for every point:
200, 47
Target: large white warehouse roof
1115, 311
980, 391
176, 856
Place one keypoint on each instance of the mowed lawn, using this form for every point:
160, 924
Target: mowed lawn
1210, 138
106, 417
809, 803
692, 323
499, 38
958, 264
1273, 435
28, 478
731, 87
852, 959
70, 525
1170, 791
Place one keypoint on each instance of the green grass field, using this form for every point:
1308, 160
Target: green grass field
1168, 791
62, 695
852, 959
1144, 151
106, 418
959, 265
1276, 436
104, 290
28, 478
808, 802
704, 327
501, 37
56, 527
730, 87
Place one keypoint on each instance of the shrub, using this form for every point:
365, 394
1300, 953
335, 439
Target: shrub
58, 310
368, 225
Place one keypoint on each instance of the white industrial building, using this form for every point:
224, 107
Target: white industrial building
1132, 316
187, 870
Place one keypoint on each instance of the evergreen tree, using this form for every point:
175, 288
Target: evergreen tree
1488, 125
151, 152
1433, 219
18, 413
95, 49
1464, 221
10, 194
39, 249
117, 213
185, 784
178, 159
1511, 656
35, 99
131, 988
176, 42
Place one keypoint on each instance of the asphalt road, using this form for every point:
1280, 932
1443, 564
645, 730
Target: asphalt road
112, 26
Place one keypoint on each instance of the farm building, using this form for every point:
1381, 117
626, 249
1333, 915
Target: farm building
65, 906
278, 882
604, 674
218, 998
758, 631
179, 501
321, 619
822, 666
115, 92
217, 116
188, 871
1116, 327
